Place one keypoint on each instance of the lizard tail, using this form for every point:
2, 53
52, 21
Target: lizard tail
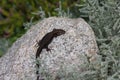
37, 65
38, 52
37, 72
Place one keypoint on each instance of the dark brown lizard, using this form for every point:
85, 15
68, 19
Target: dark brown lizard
45, 41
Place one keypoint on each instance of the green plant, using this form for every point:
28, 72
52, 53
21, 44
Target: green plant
102, 15
14, 14
104, 18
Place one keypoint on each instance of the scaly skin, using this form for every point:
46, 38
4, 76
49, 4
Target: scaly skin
45, 41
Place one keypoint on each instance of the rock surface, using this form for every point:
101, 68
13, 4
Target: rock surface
70, 52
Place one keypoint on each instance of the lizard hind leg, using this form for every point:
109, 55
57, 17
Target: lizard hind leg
37, 44
47, 49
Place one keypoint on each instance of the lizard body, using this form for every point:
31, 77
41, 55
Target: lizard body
45, 41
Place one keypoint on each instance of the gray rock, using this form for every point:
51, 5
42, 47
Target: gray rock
69, 53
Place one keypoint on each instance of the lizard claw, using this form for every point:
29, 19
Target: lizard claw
47, 49
36, 45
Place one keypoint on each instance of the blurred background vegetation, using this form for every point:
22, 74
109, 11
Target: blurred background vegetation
16, 16
14, 13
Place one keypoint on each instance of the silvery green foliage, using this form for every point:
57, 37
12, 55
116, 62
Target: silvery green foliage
4, 45
104, 18
61, 12
28, 24
40, 12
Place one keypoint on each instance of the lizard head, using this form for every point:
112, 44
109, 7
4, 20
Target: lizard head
58, 32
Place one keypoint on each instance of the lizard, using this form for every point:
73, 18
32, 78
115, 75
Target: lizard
45, 41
